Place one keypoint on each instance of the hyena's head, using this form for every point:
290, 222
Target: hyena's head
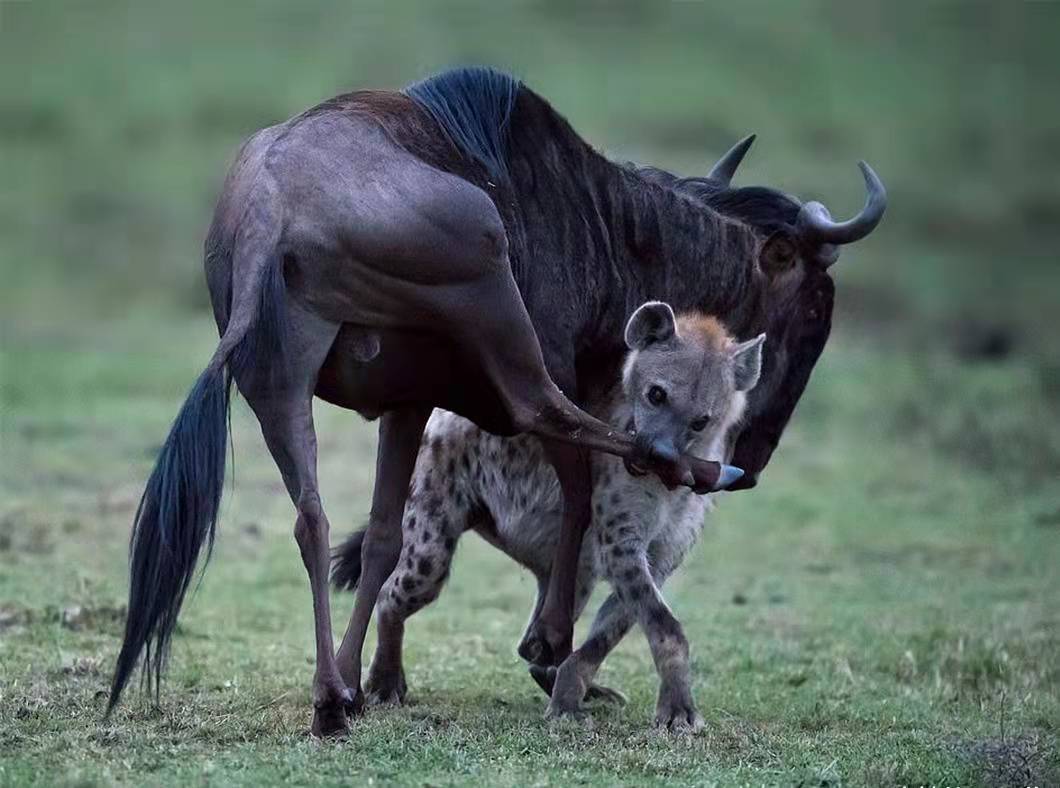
685, 382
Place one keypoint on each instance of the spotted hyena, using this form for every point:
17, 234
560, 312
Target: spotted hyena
683, 388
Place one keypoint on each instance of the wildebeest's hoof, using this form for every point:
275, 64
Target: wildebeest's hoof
545, 676
545, 645
531, 648
676, 713
332, 709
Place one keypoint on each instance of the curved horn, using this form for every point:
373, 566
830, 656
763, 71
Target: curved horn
723, 171
814, 223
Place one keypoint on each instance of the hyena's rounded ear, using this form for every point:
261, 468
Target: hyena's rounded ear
652, 322
747, 357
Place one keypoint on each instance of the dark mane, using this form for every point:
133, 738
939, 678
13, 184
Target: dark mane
473, 106
765, 209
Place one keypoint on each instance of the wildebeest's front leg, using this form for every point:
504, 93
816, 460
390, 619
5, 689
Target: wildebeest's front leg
548, 639
501, 338
399, 441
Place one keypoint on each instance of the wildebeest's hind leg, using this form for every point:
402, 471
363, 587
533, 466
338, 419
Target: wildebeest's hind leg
399, 441
282, 402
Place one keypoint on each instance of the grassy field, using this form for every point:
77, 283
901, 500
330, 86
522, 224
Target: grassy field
883, 610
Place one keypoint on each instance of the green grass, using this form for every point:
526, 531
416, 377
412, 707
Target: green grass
878, 608
882, 611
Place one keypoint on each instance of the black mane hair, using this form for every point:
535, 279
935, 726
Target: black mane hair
768, 210
473, 105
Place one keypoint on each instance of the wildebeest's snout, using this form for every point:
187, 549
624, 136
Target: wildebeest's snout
652, 453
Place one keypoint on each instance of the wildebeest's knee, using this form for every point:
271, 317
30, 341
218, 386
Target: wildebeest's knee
311, 520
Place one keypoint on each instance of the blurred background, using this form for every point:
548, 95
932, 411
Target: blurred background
933, 418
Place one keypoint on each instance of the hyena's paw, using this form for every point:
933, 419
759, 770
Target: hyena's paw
676, 712
386, 688
600, 694
567, 692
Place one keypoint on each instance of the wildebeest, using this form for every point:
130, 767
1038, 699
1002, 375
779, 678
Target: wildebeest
393, 252
685, 380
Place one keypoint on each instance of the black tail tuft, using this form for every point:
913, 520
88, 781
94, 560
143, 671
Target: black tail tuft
178, 511
176, 516
346, 562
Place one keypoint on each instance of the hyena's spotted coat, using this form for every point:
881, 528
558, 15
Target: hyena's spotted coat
503, 488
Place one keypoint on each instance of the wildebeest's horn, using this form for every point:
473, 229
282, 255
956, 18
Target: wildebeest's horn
815, 224
723, 171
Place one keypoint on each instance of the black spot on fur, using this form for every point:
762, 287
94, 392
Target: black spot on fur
407, 583
635, 592
632, 573
450, 543
425, 567
669, 627
426, 536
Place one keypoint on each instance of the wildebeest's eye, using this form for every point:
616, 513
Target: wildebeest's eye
700, 424
656, 395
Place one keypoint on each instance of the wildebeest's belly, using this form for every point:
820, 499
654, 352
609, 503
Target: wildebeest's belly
411, 369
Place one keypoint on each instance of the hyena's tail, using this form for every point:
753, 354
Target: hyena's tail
346, 562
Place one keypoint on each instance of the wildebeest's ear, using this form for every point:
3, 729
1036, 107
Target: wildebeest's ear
652, 322
778, 252
747, 356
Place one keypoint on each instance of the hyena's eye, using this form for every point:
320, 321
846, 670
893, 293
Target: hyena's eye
700, 424
656, 395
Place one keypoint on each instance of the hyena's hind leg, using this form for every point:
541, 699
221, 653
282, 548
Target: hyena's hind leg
432, 524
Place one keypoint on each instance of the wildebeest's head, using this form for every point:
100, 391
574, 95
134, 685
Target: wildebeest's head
685, 382
800, 242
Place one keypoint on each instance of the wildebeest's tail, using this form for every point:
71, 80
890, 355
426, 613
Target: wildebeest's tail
346, 562
178, 510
